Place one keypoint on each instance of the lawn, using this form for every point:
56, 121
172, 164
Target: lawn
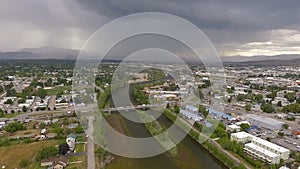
80, 148
10, 115
58, 89
75, 159
13, 154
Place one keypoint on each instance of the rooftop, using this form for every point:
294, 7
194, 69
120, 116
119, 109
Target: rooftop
261, 150
264, 119
241, 134
269, 144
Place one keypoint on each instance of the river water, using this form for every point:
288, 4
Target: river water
190, 155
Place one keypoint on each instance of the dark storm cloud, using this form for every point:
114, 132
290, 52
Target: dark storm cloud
226, 14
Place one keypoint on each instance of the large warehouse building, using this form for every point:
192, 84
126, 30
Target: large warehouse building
264, 122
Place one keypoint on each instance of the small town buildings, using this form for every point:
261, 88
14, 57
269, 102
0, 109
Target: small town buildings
192, 108
233, 128
73, 125
241, 137
61, 160
260, 148
190, 115
71, 139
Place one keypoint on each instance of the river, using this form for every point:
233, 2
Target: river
190, 155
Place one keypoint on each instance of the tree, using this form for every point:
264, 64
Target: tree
22, 100
47, 153
42, 93
259, 98
8, 101
168, 105
286, 126
79, 129
298, 100
290, 96
1, 113
268, 108
279, 104
244, 126
281, 134
202, 109
295, 108
271, 95
12, 127
248, 107
63, 149
24, 109
177, 110
241, 97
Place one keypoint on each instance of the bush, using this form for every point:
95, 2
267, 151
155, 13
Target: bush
12, 127
24, 163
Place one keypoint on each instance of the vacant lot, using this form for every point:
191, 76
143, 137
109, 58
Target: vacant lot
12, 155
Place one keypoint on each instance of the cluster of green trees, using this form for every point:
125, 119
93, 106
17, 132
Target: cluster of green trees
139, 95
172, 87
103, 97
268, 108
8, 101
206, 84
79, 129
155, 74
248, 107
46, 153
294, 108
202, 109
12, 127
230, 90
272, 95
291, 96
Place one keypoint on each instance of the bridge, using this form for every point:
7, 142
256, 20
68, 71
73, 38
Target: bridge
126, 108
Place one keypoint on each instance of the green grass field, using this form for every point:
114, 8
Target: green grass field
59, 89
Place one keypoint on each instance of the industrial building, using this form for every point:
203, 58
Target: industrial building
264, 122
190, 115
260, 148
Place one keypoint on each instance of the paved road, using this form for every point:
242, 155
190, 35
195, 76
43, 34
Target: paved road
90, 144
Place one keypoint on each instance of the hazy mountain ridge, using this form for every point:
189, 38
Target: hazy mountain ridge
49, 52
259, 58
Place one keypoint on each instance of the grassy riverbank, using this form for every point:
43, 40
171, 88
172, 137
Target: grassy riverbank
158, 132
208, 145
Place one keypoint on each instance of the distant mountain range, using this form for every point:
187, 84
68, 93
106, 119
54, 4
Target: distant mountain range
49, 52
259, 58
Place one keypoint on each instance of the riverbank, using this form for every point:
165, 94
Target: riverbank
157, 131
210, 145
190, 154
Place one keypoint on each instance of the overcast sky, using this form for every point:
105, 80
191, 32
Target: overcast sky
244, 27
